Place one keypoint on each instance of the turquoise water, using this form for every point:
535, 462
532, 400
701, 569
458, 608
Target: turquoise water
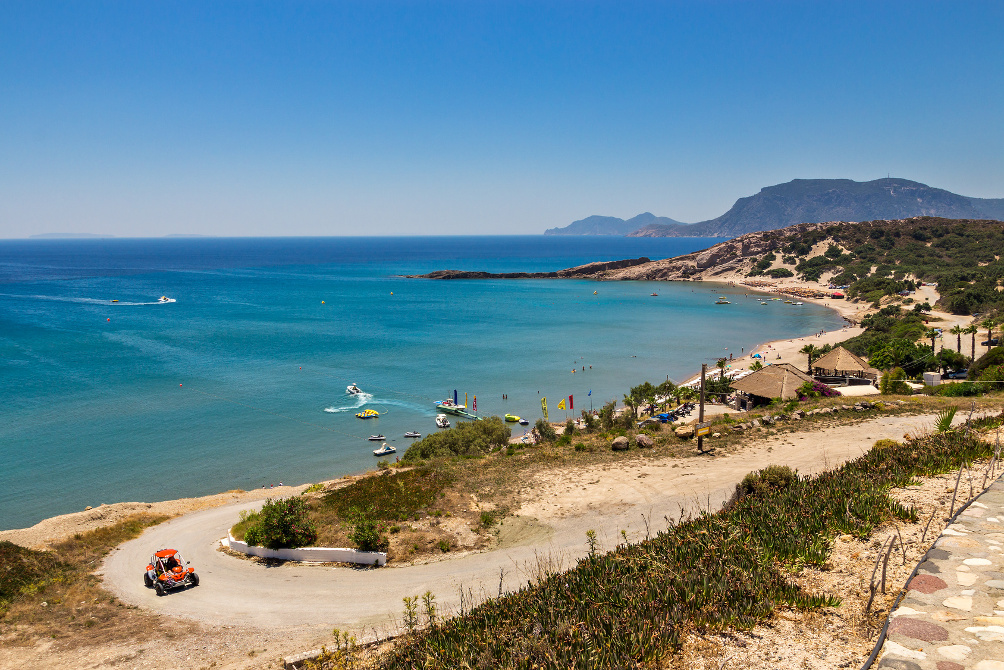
241, 381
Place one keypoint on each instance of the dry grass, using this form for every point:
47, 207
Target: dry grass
69, 606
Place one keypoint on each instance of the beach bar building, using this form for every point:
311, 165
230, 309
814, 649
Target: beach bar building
840, 366
780, 380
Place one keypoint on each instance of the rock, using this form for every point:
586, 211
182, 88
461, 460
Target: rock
755, 423
798, 414
716, 434
685, 431
88, 508
620, 444
767, 420
644, 441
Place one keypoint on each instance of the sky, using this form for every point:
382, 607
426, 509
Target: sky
477, 117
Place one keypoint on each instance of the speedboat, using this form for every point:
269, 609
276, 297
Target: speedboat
115, 300
722, 301
511, 418
412, 433
384, 450
450, 407
524, 422
368, 414
352, 389
164, 298
376, 438
442, 421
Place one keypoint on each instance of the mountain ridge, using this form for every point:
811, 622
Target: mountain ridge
808, 201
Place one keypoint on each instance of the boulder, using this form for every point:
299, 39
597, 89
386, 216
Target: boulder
685, 431
755, 423
620, 444
798, 414
644, 441
716, 434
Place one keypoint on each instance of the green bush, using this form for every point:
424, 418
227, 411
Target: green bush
992, 358
282, 524
893, 383
545, 430
772, 479
607, 415
780, 273
960, 390
20, 568
365, 533
471, 439
590, 421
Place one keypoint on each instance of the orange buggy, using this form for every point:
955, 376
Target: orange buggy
168, 570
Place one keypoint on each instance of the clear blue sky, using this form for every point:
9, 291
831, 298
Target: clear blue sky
342, 118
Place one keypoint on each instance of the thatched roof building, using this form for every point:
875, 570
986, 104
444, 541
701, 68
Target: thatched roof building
774, 381
842, 363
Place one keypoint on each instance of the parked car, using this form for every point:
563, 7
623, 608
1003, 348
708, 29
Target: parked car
990, 343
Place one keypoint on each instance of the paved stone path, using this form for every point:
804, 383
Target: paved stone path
952, 616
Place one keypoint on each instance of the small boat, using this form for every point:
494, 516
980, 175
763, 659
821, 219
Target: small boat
164, 298
511, 418
797, 303
722, 301
450, 407
352, 389
376, 438
115, 300
595, 292
368, 414
524, 422
654, 294
442, 421
384, 450
412, 433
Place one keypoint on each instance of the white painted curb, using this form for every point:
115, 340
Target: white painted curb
309, 554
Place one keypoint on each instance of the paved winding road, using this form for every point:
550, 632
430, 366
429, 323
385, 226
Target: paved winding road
241, 592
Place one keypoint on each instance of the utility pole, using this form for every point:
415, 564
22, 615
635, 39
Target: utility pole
700, 412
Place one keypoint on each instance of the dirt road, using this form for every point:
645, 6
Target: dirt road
565, 504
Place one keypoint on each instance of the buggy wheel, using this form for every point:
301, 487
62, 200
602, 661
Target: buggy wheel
147, 582
194, 579
159, 588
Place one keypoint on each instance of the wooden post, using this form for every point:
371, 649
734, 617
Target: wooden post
700, 411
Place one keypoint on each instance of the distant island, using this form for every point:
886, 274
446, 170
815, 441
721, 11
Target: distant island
803, 201
67, 236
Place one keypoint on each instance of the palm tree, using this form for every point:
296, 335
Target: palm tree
971, 330
957, 331
811, 351
932, 334
989, 325
721, 366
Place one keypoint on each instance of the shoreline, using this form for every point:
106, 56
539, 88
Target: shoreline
58, 527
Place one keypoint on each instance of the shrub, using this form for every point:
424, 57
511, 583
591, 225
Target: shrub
960, 390
607, 415
545, 430
389, 497
590, 421
365, 532
992, 359
282, 524
780, 273
20, 568
772, 479
892, 383
474, 438
570, 428
815, 390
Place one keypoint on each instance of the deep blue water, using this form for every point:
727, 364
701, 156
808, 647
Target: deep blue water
241, 381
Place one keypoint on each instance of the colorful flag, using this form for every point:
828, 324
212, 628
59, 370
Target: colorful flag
465, 400
543, 407
475, 403
590, 392
561, 404
571, 402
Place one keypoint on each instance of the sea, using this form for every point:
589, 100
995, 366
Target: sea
238, 380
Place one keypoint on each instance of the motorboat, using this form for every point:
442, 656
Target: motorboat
656, 295
376, 438
512, 418
524, 422
412, 433
797, 303
595, 292
352, 389
368, 414
442, 421
115, 300
384, 450
450, 407
164, 298
722, 301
